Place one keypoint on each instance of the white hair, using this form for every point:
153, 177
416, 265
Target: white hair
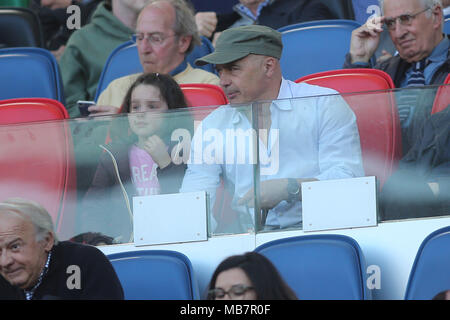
31, 211
425, 3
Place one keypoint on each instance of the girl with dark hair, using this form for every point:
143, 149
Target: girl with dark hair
250, 276
138, 162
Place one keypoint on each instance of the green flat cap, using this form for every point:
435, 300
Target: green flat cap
236, 43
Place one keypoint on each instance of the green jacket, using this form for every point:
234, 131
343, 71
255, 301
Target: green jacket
86, 53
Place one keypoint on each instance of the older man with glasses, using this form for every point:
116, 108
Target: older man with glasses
416, 29
165, 34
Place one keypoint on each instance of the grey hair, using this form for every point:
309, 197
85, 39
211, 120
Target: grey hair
185, 24
31, 211
426, 4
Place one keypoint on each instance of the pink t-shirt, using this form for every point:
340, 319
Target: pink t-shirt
143, 172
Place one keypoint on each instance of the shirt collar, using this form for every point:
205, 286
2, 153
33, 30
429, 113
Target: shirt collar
285, 95
30, 293
241, 9
440, 52
283, 101
181, 67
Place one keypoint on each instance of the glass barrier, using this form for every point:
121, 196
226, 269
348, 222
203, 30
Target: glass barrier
86, 171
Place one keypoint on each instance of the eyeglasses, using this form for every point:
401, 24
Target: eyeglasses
235, 292
155, 39
404, 19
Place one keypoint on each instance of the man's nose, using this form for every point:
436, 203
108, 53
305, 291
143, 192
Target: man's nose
144, 46
224, 80
399, 30
5, 259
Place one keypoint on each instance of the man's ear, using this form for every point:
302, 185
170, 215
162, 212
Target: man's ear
48, 241
269, 65
437, 16
183, 43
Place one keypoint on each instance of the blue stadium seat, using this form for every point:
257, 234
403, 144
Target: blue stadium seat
315, 46
317, 267
430, 272
447, 25
29, 73
155, 275
124, 60
20, 28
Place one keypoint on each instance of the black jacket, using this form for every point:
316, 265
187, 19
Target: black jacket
396, 67
407, 194
97, 276
281, 13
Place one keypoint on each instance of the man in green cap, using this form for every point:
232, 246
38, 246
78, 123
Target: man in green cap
299, 139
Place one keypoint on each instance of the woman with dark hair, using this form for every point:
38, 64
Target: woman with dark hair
138, 161
250, 276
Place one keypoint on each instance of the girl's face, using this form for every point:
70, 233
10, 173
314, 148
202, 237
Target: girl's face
146, 107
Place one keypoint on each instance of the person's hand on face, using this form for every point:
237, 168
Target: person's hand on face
365, 39
206, 23
157, 149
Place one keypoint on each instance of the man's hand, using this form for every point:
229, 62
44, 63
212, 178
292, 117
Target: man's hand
365, 39
157, 149
97, 110
59, 52
206, 23
384, 56
272, 192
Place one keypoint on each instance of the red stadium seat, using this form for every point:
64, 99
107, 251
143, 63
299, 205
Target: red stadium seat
442, 99
209, 95
376, 115
203, 95
36, 157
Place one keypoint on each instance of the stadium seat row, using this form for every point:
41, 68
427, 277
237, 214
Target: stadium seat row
316, 267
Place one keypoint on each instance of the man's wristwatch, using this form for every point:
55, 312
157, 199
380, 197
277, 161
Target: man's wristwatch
293, 190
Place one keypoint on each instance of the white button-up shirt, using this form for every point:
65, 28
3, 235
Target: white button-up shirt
313, 137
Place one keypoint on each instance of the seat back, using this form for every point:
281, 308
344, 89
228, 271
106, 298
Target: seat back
203, 95
124, 60
155, 275
442, 99
36, 158
430, 272
315, 46
29, 73
20, 27
320, 267
376, 115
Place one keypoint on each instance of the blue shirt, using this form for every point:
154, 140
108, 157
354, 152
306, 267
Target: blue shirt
240, 8
436, 59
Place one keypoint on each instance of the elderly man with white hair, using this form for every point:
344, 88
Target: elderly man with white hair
416, 29
34, 265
